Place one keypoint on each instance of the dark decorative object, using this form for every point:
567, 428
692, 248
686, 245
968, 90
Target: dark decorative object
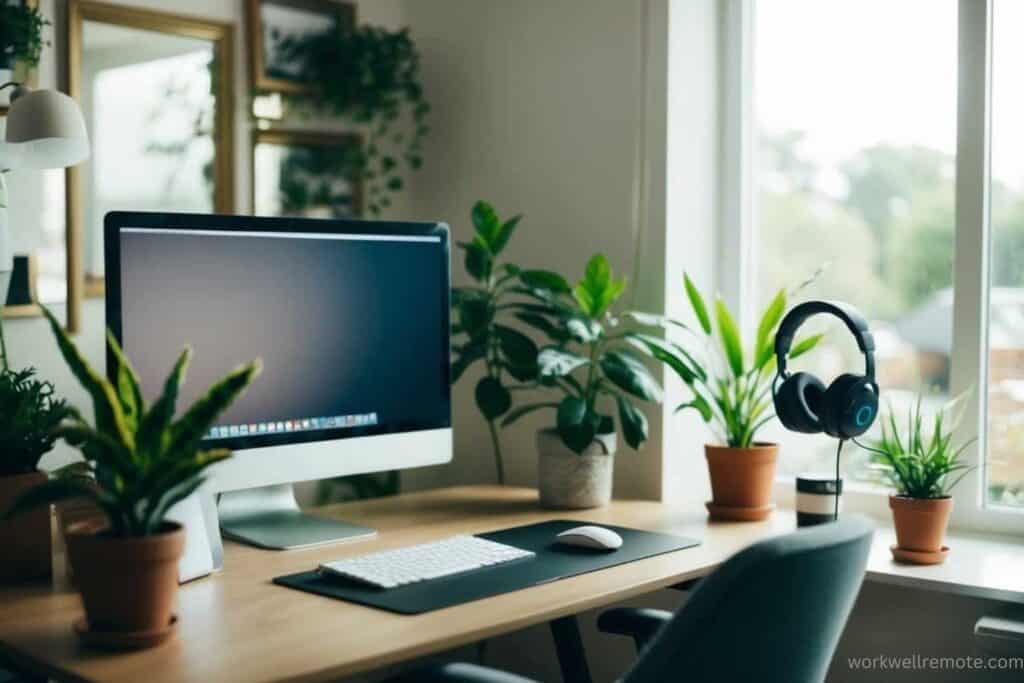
22, 290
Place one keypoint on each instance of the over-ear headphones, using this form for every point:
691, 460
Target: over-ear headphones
847, 408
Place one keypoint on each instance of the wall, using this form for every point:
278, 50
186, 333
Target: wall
509, 84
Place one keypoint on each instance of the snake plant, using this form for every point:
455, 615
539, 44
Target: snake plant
143, 460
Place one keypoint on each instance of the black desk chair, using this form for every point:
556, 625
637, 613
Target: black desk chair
772, 612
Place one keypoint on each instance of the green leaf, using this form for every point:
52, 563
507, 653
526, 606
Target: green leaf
634, 423
577, 425
585, 300
545, 279
99, 448
584, 331
159, 508
730, 334
478, 261
555, 362
681, 362
700, 405
598, 290
492, 398
764, 344
153, 429
504, 234
630, 375
805, 345
543, 324
522, 411
106, 405
652, 320
486, 223
187, 432
466, 357
128, 390
475, 315
697, 303
517, 348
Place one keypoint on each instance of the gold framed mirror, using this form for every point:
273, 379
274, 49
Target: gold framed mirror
305, 173
167, 147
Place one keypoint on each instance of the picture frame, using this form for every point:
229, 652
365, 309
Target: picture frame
264, 17
303, 173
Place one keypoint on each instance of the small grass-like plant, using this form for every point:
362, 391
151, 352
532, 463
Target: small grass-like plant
143, 460
919, 462
29, 413
731, 387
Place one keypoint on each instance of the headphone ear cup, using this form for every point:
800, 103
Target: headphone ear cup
798, 403
850, 406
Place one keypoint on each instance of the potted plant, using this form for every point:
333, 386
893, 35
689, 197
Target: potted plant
731, 389
919, 464
21, 35
145, 461
486, 313
593, 363
29, 413
370, 76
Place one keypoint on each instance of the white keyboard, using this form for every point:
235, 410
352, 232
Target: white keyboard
392, 568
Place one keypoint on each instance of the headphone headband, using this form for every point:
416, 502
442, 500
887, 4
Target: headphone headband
850, 316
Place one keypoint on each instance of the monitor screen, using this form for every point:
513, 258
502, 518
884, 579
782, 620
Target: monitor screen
350, 320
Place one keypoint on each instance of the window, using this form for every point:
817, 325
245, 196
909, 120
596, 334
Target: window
880, 142
1005, 471
855, 165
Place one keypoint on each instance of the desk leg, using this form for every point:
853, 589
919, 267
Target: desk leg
571, 656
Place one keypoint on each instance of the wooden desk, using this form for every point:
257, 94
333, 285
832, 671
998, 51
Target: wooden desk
237, 626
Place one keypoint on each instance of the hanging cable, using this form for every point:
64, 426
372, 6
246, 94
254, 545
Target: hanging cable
839, 452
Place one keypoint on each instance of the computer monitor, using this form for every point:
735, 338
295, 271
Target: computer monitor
350, 319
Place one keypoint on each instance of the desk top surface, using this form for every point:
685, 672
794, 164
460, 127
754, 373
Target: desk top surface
237, 626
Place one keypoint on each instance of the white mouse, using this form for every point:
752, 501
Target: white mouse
593, 537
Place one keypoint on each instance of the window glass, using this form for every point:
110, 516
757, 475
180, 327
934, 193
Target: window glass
856, 137
1005, 471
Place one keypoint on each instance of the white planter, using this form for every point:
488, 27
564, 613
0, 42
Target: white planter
568, 481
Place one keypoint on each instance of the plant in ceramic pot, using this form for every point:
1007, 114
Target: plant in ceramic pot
593, 364
919, 463
502, 297
145, 461
731, 389
29, 413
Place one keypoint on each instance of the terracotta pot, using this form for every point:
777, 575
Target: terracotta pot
571, 481
127, 584
25, 541
920, 522
742, 477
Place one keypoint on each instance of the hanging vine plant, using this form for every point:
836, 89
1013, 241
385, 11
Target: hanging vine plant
21, 34
371, 76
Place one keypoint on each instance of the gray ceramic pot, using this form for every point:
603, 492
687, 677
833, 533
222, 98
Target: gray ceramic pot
568, 481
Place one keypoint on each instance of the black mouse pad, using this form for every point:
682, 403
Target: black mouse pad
552, 562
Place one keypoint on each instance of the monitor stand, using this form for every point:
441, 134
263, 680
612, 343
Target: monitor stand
269, 517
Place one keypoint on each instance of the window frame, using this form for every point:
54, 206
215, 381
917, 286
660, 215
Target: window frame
737, 261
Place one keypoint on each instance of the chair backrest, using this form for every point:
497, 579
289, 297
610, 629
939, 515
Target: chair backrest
772, 612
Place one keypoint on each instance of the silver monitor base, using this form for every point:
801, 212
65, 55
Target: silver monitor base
269, 517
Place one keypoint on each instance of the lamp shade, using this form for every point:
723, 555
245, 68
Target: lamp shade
45, 129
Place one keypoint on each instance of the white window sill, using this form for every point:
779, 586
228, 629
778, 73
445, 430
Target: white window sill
978, 565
